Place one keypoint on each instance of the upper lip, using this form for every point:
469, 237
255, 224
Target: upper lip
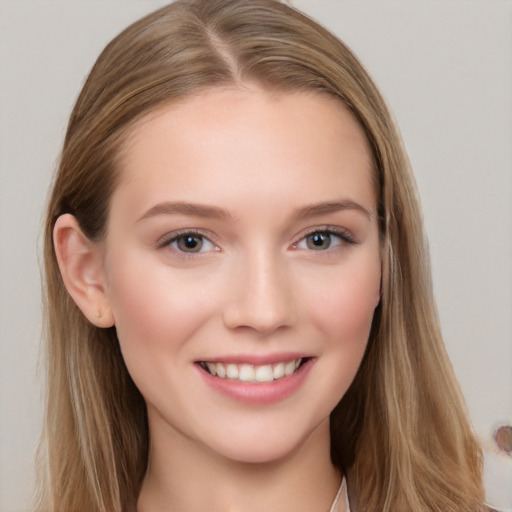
256, 359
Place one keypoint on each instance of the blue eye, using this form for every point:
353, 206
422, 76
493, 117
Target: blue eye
190, 243
322, 240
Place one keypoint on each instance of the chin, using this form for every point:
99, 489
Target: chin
271, 445
259, 453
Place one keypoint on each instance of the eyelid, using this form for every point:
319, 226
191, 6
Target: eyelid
344, 234
168, 238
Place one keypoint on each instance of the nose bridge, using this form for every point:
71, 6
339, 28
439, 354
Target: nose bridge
262, 298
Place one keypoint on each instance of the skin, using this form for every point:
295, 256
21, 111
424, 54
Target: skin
258, 286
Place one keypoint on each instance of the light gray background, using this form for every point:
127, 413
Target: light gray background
445, 68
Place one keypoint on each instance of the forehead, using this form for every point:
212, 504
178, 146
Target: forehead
230, 139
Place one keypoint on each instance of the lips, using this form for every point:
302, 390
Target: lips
252, 372
256, 380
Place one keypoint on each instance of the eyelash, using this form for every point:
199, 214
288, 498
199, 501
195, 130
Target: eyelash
175, 236
342, 234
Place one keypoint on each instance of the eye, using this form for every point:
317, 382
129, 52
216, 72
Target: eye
188, 242
323, 239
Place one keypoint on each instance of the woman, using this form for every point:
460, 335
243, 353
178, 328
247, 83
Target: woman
239, 307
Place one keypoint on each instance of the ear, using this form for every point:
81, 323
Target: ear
80, 262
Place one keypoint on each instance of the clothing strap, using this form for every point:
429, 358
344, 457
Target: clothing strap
341, 491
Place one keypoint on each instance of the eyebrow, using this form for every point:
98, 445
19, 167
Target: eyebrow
214, 212
189, 209
324, 208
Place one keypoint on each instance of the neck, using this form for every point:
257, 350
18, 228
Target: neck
183, 475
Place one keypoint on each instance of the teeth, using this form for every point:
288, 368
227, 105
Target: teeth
264, 373
278, 370
252, 373
246, 373
221, 370
232, 371
289, 368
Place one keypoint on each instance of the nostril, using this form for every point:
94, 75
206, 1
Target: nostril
261, 299
263, 317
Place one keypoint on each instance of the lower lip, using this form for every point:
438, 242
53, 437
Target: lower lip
258, 393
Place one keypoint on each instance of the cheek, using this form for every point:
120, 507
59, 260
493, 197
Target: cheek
341, 314
344, 309
154, 310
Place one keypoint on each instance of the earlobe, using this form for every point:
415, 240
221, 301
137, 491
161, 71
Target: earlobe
80, 263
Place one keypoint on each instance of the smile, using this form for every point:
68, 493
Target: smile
252, 373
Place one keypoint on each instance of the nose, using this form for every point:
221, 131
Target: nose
261, 296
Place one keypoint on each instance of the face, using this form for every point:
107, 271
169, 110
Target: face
242, 266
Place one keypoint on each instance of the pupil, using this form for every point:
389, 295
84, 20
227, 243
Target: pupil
319, 241
190, 243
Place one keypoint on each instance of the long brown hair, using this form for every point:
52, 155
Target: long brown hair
401, 432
